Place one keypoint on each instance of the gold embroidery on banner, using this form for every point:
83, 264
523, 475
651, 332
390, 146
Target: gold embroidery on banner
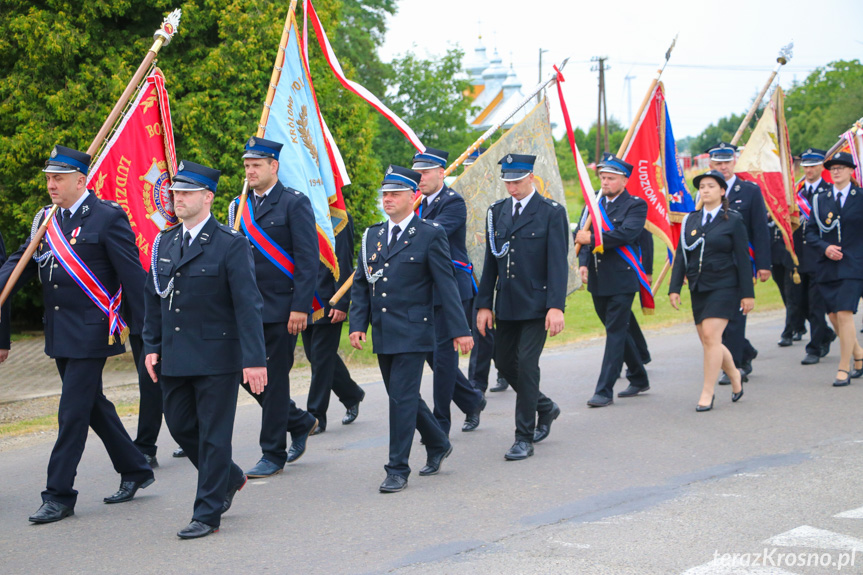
303, 127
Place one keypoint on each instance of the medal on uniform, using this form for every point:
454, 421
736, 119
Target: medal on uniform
75, 233
379, 246
373, 258
830, 215
828, 222
694, 232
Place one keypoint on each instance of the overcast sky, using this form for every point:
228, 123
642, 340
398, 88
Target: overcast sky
724, 53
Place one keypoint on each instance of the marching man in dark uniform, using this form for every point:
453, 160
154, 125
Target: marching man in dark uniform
203, 332
613, 281
744, 197
835, 230
88, 265
524, 280
445, 207
280, 224
403, 262
812, 306
321, 341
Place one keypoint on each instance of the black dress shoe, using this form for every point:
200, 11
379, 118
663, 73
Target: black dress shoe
151, 461
501, 385
599, 401
842, 382
632, 391
746, 366
264, 468
724, 379
798, 335
229, 496
543, 424
810, 359
298, 444
179, 452
433, 463
196, 530
736, 396
699, 408
318, 430
51, 511
471, 422
351, 414
127, 490
785, 341
519, 450
393, 484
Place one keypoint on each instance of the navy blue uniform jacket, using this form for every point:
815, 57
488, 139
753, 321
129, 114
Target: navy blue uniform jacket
449, 210
531, 278
608, 273
74, 326
745, 197
725, 263
286, 216
213, 324
850, 217
399, 306
807, 254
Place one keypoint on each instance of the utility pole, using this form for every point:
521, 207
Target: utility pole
601, 108
541, 52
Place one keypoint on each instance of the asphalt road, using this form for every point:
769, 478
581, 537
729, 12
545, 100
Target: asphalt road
644, 486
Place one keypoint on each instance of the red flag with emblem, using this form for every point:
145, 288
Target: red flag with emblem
135, 166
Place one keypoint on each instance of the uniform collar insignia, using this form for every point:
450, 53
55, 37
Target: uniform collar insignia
437, 199
85, 209
380, 232
736, 187
412, 230
205, 236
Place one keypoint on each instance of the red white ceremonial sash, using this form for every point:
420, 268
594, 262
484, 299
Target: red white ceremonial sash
88, 282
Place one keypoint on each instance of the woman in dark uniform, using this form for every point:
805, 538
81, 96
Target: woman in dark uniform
713, 256
837, 211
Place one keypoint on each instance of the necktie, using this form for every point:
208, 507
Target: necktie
67, 216
187, 240
258, 201
809, 190
708, 218
517, 212
839, 198
424, 207
394, 237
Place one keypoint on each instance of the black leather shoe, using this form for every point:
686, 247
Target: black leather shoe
264, 468
724, 379
842, 382
700, 408
298, 444
433, 463
785, 341
471, 422
393, 484
736, 396
179, 452
127, 490
501, 385
825, 348
351, 414
229, 496
810, 359
196, 530
857, 372
318, 430
798, 335
599, 401
632, 391
543, 424
746, 366
51, 511
519, 450
151, 461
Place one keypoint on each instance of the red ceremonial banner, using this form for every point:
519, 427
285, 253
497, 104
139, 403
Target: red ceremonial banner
646, 154
135, 166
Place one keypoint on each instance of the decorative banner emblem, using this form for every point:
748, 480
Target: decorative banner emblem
156, 195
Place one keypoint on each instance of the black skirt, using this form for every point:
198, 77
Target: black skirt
841, 295
721, 303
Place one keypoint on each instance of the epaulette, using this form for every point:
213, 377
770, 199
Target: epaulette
499, 201
553, 203
111, 203
170, 228
430, 223
227, 229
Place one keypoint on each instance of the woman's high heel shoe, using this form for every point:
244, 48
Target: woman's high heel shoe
857, 371
842, 382
737, 396
700, 408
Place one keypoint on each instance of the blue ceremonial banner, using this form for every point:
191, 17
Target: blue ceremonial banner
679, 198
304, 162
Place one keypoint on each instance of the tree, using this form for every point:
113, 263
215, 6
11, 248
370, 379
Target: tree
722, 131
431, 96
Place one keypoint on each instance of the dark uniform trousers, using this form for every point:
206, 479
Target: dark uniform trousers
615, 312
480, 356
746, 198
518, 346
820, 334
329, 373
450, 384
782, 268
279, 413
200, 414
76, 337
408, 410
150, 405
